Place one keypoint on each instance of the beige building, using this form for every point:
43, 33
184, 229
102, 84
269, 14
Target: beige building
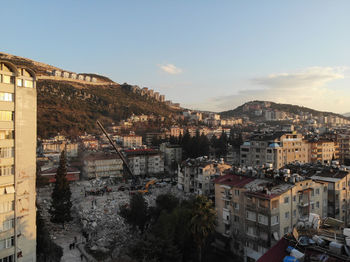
343, 141
278, 149
176, 131
53, 147
17, 163
197, 175
322, 151
99, 165
130, 141
253, 214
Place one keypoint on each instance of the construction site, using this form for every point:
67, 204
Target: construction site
97, 228
98, 232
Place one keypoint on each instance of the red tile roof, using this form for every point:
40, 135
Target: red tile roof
233, 180
276, 253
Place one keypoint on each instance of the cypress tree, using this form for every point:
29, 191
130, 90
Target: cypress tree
61, 203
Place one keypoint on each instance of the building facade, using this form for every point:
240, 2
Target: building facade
99, 165
17, 163
277, 149
145, 162
198, 175
254, 213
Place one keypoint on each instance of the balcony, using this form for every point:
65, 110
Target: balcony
305, 204
226, 197
227, 233
226, 221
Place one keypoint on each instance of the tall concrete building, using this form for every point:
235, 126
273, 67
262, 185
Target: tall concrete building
17, 163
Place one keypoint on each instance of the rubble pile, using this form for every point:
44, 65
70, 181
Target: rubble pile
101, 224
96, 216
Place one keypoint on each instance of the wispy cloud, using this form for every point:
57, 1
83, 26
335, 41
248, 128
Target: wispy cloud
306, 87
310, 77
171, 69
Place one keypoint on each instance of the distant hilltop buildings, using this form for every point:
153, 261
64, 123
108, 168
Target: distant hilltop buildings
72, 76
155, 95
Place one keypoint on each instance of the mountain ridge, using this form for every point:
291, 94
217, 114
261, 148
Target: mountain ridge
72, 106
289, 108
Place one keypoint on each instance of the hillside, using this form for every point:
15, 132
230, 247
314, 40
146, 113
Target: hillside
72, 107
246, 109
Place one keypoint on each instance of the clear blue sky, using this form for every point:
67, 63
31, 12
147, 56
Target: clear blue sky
211, 55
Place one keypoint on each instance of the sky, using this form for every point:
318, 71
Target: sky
207, 55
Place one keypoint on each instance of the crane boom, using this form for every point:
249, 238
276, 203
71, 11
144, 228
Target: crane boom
117, 150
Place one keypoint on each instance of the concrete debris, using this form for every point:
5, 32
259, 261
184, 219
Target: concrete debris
97, 221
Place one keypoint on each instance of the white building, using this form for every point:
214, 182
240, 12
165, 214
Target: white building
145, 162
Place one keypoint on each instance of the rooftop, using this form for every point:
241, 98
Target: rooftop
233, 180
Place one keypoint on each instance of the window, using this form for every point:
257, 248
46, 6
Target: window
7, 206
19, 82
317, 204
8, 79
317, 191
236, 192
6, 115
294, 198
6, 134
28, 83
251, 216
274, 220
312, 206
236, 218
7, 225
286, 230
6, 97
286, 215
6, 243
274, 204
294, 213
6, 152
263, 219
251, 231
312, 193
235, 205
7, 259
286, 200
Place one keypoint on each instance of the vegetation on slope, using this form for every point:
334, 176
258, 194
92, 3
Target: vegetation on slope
73, 109
294, 109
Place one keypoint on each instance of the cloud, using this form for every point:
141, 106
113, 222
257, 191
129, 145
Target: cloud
310, 77
171, 69
306, 87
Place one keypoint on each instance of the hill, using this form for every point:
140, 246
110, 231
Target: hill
71, 107
250, 107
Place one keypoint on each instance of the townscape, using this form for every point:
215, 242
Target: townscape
175, 131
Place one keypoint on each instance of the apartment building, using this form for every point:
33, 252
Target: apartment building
101, 165
53, 147
254, 213
197, 175
18, 110
130, 141
337, 181
176, 131
322, 151
145, 162
172, 155
278, 149
343, 140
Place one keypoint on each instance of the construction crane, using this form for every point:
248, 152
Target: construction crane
125, 162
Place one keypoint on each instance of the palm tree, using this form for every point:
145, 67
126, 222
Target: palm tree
202, 222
